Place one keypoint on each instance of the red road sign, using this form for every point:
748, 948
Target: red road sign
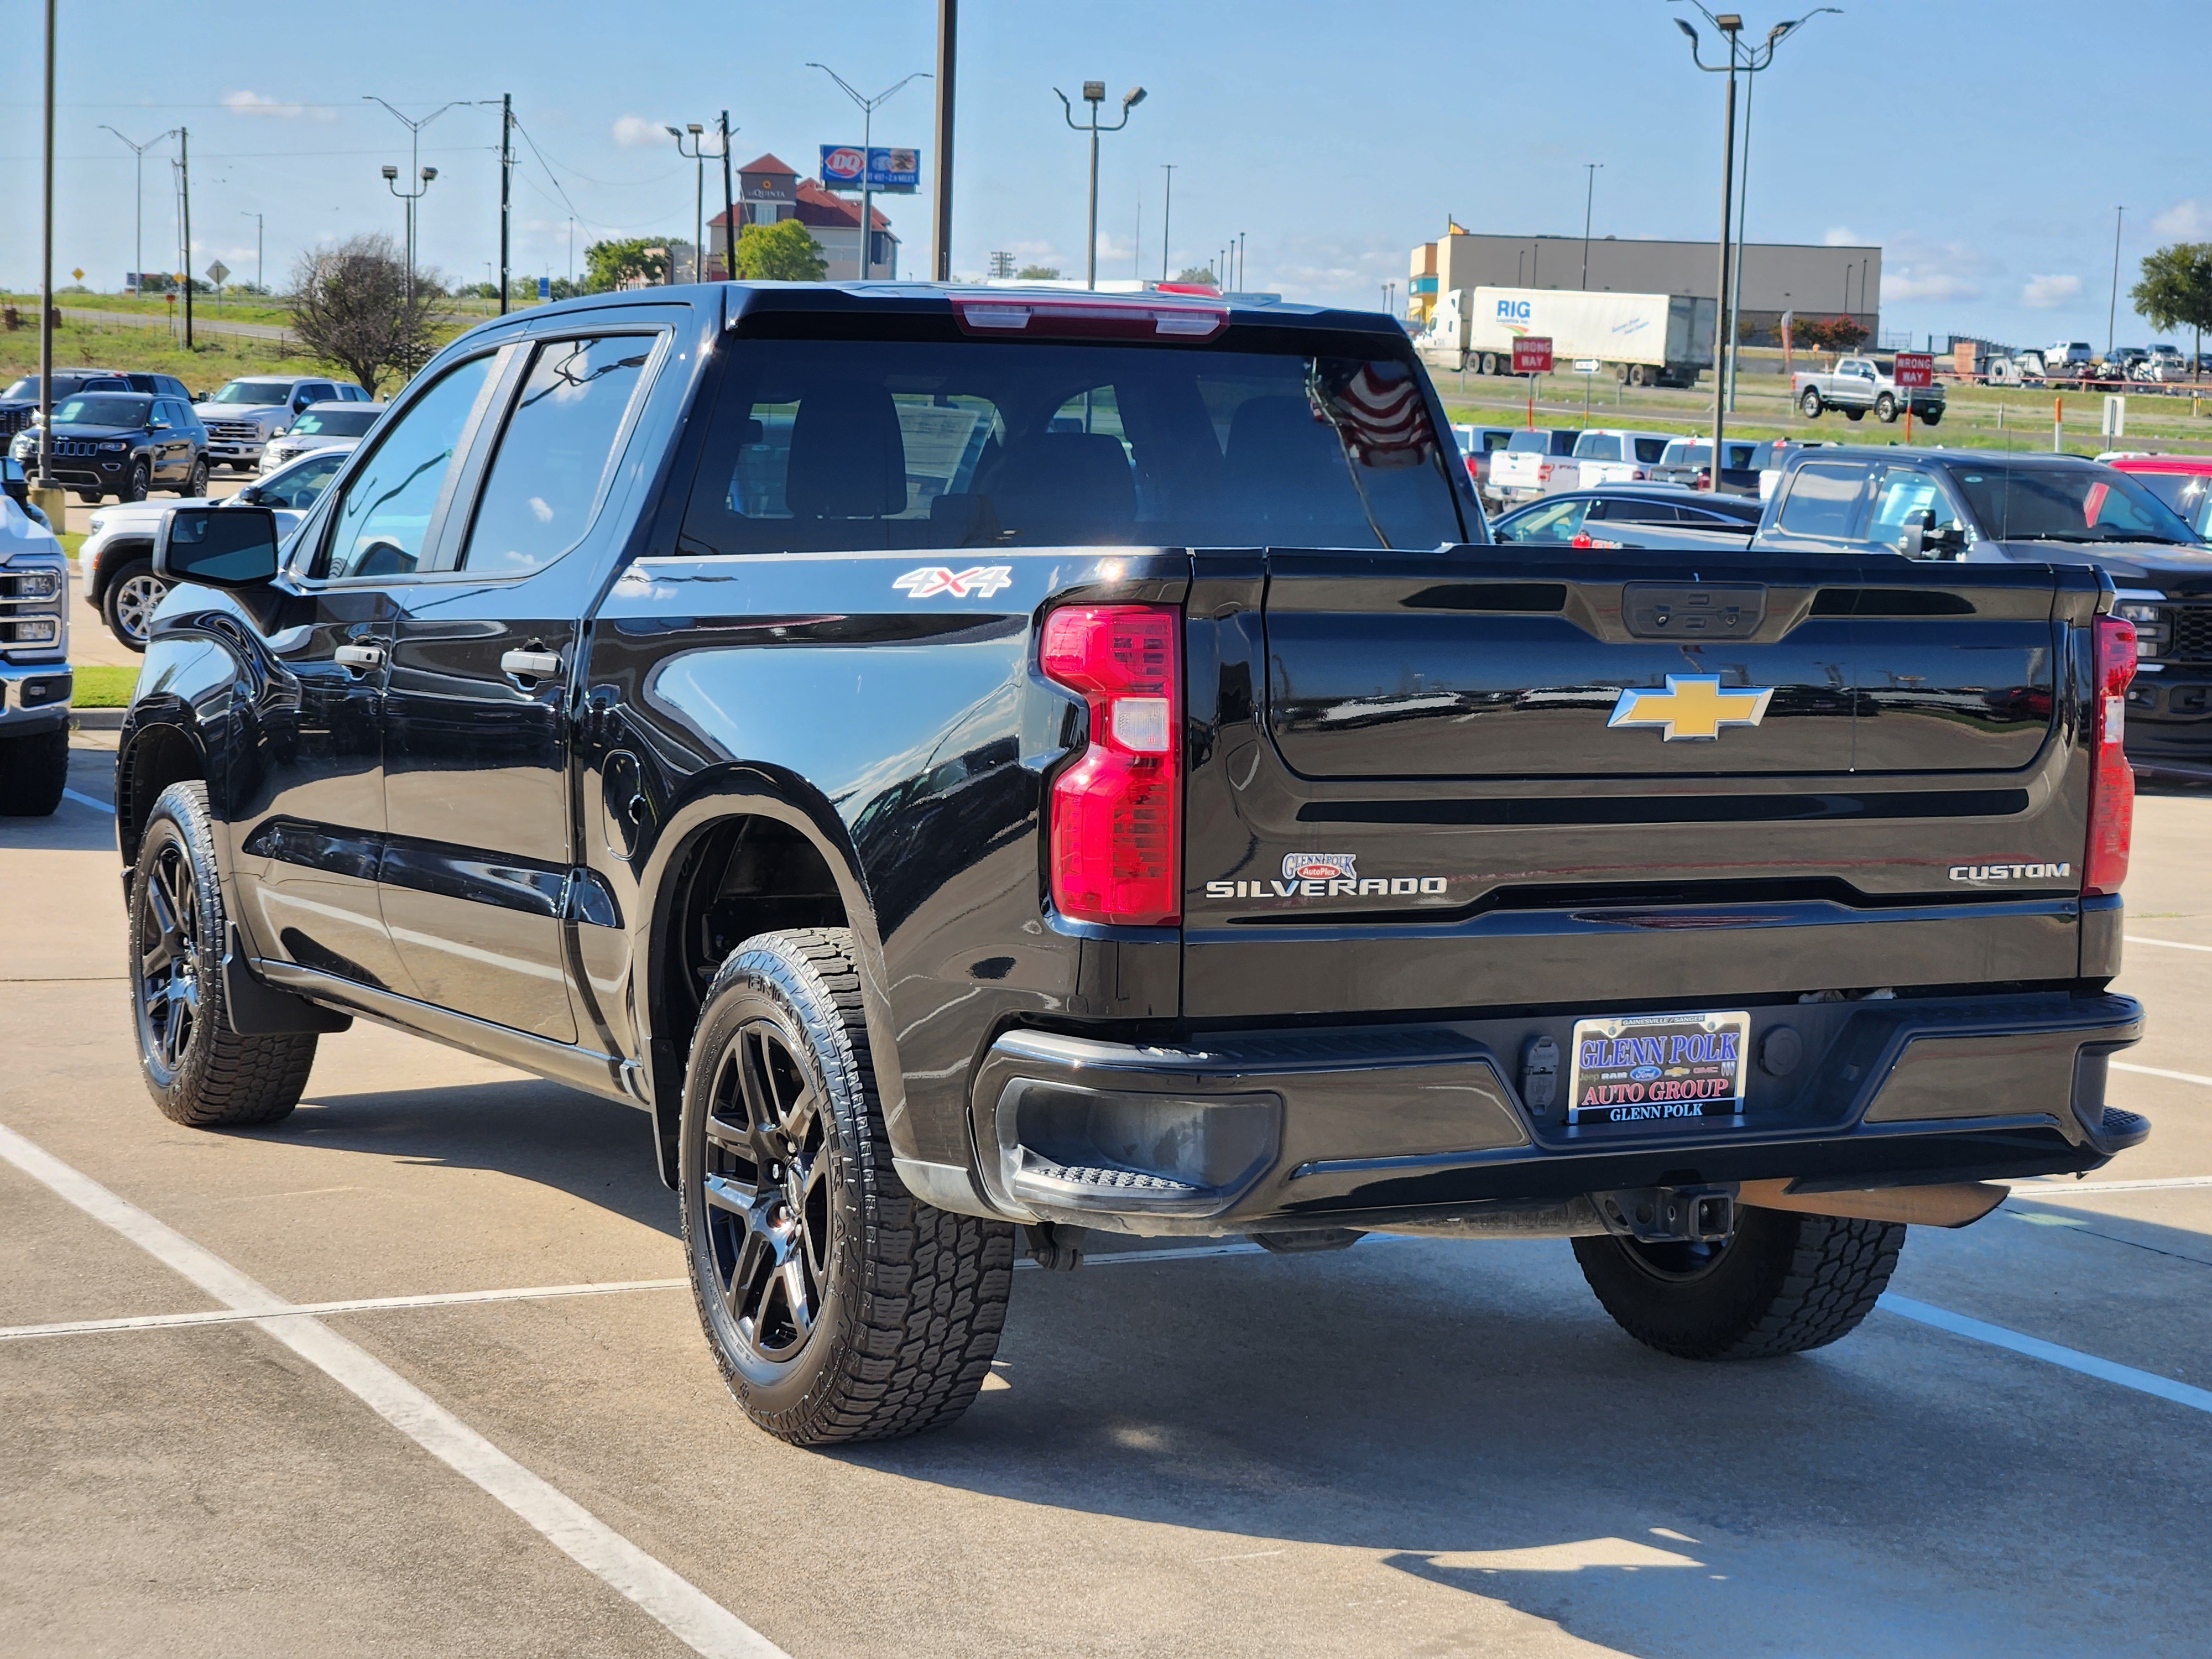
1532, 355
1914, 368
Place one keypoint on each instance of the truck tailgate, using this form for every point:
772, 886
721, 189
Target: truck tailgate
1462, 780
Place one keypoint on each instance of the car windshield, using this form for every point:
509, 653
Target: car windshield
2188, 494
335, 423
254, 392
105, 410
2067, 504
860, 445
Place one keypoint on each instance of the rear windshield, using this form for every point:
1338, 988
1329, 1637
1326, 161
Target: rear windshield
1649, 450
1597, 447
2067, 504
2189, 495
102, 410
336, 422
856, 445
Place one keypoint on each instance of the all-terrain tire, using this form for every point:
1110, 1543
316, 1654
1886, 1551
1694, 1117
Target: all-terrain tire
33, 771
200, 1072
1782, 1283
785, 1165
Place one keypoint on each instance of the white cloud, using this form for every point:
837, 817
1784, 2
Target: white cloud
1843, 236
1906, 283
252, 103
2190, 221
631, 131
2049, 293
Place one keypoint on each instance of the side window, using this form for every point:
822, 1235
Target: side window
1823, 501
1623, 510
1905, 493
383, 520
1492, 441
555, 452
1649, 450
301, 484
1553, 523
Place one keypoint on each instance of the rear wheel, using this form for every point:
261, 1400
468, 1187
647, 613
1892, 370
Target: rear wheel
1782, 1283
1488, 363
135, 487
33, 772
127, 604
195, 481
1931, 417
839, 1307
1810, 405
1854, 414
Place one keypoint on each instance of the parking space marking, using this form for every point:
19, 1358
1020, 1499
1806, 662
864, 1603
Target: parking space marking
2167, 943
2072, 1359
688, 1612
316, 1309
2159, 1071
2059, 1186
88, 801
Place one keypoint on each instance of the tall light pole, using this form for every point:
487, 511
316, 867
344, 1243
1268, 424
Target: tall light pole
415, 171
47, 272
138, 216
2113, 313
1747, 62
1094, 93
867, 155
729, 205
940, 222
410, 197
260, 270
1589, 200
506, 192
698, 153
1167, 209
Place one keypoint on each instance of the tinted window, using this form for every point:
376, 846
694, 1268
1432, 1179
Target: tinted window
253, 393
1649, 450
100, 411
1706, 518
1597, 447
1554, 522
1528, 443
1625, 510
334, 423
2067, 504
383, 520
1823, 499
1906, 493
2189, 495
298, 485
1493, 439
861, 445
557, 450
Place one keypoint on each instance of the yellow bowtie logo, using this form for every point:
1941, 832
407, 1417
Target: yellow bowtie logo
1692, 706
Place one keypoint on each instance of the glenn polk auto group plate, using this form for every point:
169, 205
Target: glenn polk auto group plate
1657, 1068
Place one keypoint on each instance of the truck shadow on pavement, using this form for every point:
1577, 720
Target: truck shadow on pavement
72, 828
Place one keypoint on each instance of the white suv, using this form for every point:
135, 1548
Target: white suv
1610, 455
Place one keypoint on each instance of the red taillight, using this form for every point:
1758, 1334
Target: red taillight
1117, 811
2111, 781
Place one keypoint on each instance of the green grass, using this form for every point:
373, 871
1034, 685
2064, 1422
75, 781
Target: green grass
241, 309
71, 540
103, 687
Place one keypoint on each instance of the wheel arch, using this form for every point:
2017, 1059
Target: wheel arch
117, 554
152, 755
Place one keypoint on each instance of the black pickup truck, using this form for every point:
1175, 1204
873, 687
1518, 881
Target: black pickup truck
977, 768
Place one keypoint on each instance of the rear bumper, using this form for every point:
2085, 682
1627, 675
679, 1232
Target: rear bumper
1353, 1124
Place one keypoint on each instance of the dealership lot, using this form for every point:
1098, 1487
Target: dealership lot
1411, 1447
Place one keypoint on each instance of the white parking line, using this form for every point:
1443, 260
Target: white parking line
2181, 1393
313, 1309
2168, 944
2043, 1186
2159, 1071
88, 801
688, 1612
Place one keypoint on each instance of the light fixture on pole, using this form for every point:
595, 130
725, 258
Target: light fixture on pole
868, 107
697, 131
139, 237
1774, 37
415, 171
1094, 93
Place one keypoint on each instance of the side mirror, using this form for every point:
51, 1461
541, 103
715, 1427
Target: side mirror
218, 546
1917, 529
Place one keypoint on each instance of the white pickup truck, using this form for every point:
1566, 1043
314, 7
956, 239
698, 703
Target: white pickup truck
1533, 463
1858, 385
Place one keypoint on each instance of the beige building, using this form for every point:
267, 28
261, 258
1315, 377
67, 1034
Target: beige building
1813, 280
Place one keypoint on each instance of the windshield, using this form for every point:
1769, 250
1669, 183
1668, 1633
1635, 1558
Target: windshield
2067, 504
254, 392
105, 410
860, 445
335, 423
27, 389
2188, 494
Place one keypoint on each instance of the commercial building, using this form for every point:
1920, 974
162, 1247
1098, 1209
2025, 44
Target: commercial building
1811, 279
770, 190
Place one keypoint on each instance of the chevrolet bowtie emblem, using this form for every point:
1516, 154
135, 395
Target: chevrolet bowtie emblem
1692, 706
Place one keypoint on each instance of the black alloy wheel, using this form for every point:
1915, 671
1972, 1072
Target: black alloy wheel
135, 487
169, 995
196, 481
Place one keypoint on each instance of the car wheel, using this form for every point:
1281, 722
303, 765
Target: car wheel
1854, 414
135, 487
839, 1307
1810, 405
195, 481
1885, 409
1782, 1283
89, 497
199, 1071
1932, 417
127, 606
32, 773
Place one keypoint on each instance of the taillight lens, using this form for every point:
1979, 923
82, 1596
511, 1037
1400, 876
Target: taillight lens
1116, 835
2111, 781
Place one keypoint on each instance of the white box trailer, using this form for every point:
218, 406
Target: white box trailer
1648, 339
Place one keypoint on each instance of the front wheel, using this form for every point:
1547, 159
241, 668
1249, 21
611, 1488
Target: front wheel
128, 603
33, 771
1810, 405
1885, 409
1782, 1283
199, 1071
839, 1307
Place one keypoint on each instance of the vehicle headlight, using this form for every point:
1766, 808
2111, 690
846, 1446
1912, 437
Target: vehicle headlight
33, 630
113, 445
37, 585
2152, 632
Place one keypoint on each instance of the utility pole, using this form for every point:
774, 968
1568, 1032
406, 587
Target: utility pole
505, 184
185, 177
1167, 209
46, 273
1094, 93
1589, 200
2113, 313
729, 207
868, 156
941, 225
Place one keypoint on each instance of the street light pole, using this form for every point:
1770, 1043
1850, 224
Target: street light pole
1094, 93
729, 206
1589, 200
698, 153
185, 177
867, 155
138, 235
506, 192
2113, 313
416, 170
47, 272
1167, 209
940, 225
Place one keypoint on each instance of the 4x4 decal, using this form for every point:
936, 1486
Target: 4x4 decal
981, 579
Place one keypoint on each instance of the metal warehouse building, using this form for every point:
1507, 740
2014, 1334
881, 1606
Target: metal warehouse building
1810, 279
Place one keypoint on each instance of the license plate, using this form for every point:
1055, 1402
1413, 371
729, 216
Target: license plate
1658, 1068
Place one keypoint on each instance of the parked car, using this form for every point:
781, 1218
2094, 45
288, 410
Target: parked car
338, 425
1985, 507
949, 872
123, 444
1632, 516
117, 556
19, 403
1860, 386
2068, 360
35, 683
1608, 455
246, 414
1477, 445
1534, 463
1689, 462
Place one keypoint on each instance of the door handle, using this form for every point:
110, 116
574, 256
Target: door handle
361, 657
531, 665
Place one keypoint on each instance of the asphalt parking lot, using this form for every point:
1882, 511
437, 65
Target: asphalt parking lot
508, 1437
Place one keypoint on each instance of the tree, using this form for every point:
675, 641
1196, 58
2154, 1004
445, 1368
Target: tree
2175, 292
780, 252
1038, 274
351, 306
1196, 274
609, 265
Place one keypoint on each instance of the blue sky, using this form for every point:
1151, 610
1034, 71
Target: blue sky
1336, 137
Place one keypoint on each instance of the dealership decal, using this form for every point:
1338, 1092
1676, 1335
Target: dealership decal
982, 580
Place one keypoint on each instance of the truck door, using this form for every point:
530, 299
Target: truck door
477, 875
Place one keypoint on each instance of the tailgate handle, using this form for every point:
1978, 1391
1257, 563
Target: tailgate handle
1675, 611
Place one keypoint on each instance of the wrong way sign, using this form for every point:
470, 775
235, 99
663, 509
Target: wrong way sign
1532, 355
